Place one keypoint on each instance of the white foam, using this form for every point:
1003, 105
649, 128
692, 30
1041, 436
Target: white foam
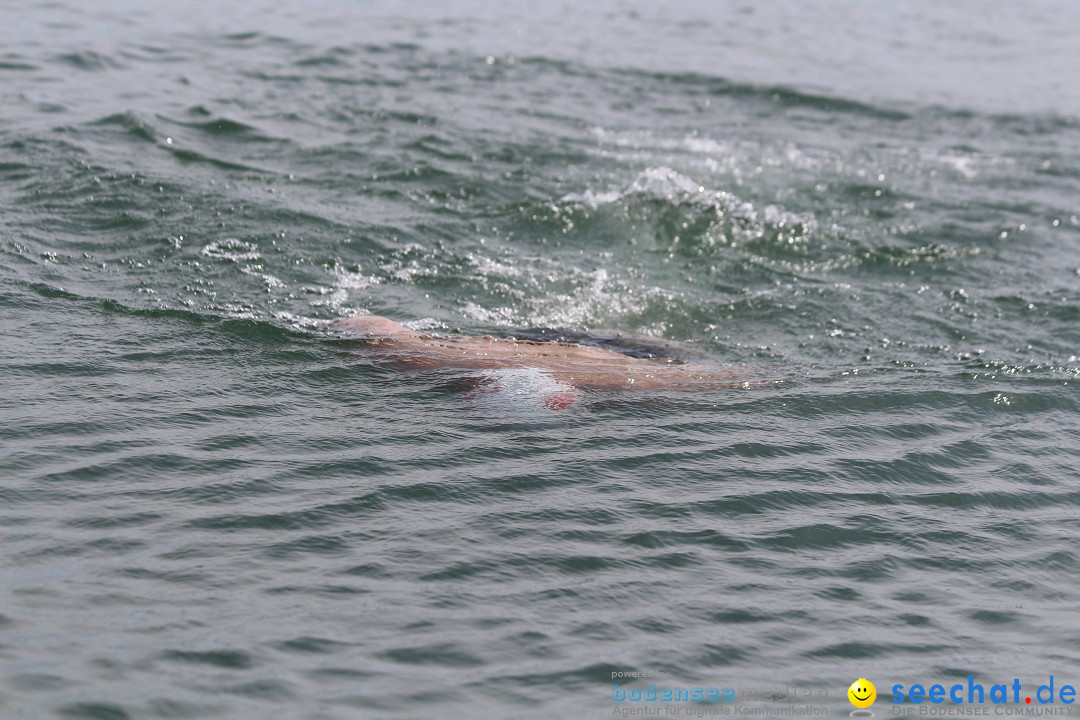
520, 392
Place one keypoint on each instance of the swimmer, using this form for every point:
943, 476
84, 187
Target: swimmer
569, 364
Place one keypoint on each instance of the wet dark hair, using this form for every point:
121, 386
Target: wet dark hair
632, 347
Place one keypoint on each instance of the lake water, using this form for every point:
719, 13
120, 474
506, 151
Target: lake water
212, 507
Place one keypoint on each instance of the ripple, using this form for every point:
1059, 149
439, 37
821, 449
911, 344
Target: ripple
225, 659
88, 60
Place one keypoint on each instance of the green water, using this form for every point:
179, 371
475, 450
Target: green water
211, 506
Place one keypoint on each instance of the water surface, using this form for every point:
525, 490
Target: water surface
212, 507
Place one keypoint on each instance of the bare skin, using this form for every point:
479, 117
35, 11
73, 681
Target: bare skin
576, 365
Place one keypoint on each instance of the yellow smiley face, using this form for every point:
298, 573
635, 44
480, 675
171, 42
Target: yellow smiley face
862, 693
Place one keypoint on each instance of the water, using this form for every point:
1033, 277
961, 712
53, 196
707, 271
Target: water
212, 507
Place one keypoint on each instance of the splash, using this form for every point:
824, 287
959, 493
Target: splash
520, 392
